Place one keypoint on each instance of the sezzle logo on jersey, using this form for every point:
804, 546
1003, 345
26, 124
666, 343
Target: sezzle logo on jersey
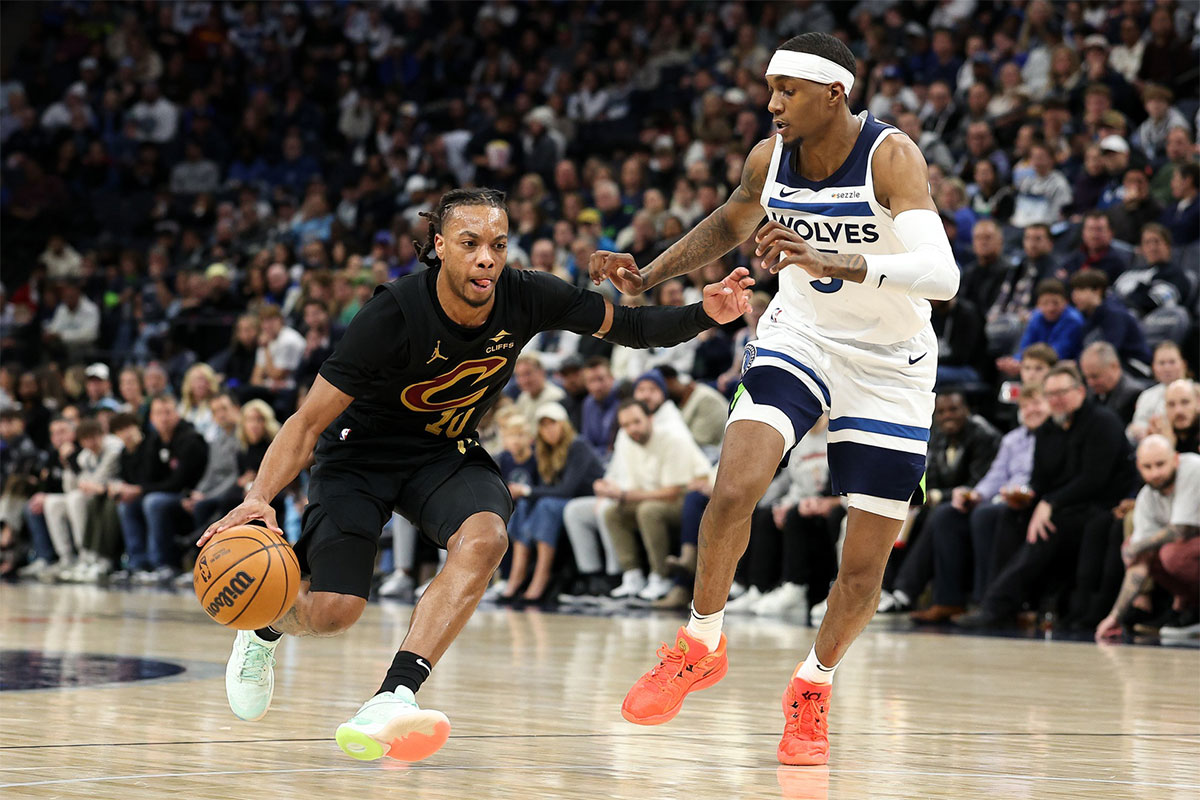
829, 232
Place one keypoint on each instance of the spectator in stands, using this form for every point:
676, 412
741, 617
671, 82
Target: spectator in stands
280, 350
704, 409
133, 397
99, 390
536, 388
567, 467
961, 342
961, 448
647, 479
1161, 282
199, 387
1055, 323
217, 489
651, 390
1182, 216
1042, 196
598, 424
236, 364
84, 486
570, 378
1136, 208
1096, 250
1081, 468
175, 457
984, 278
75, 326
1106, 319
1168, 366
963, 530
1181, 422
47, 485
1180, 151
1165, 544
1110, 385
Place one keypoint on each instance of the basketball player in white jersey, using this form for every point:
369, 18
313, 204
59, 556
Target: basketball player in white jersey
860, 251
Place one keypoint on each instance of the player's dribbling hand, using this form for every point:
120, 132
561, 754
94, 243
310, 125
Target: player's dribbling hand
775, 240
620, 268
248, 511
729, 299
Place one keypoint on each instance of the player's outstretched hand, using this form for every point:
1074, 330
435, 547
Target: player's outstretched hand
775, 240
248, 511
729, 299
620, 268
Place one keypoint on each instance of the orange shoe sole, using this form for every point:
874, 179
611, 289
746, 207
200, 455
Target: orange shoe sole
658, 719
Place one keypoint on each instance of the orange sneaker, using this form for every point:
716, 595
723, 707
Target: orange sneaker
686, 667
805, 739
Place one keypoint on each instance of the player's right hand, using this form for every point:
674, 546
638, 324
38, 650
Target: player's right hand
248, 511
620, 268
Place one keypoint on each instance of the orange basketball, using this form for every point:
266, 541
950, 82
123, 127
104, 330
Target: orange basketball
246, 577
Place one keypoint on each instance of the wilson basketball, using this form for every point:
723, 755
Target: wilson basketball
246, 577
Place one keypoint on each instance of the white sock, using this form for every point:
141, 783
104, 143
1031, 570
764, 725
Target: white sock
706, 627
813, 671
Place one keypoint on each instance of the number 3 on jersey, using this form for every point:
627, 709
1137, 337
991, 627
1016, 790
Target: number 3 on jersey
820, 284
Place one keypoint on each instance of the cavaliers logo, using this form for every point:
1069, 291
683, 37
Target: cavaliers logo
453, 389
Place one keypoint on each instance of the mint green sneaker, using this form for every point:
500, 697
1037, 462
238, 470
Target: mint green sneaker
392, 724
250, 675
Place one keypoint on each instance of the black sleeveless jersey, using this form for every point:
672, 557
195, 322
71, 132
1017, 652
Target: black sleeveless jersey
420, 381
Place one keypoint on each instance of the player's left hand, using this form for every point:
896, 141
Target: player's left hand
729, 299
774, 240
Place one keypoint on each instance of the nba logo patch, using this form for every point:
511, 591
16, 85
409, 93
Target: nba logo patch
748, 357
776, 314
345, 434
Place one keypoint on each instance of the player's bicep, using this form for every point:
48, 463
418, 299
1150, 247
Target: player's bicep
322, 405
744, 207
901, 176
559, 306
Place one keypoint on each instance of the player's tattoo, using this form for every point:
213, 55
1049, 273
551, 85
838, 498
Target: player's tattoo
716, 234
851, 268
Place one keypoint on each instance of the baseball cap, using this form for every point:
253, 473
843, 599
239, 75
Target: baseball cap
552, 411
98, 371
217, 270
1114, 144
589, 216
1095, 40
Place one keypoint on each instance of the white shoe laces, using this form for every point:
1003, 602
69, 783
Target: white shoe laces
255, 664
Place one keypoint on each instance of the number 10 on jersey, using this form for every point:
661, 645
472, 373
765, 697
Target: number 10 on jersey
451, 423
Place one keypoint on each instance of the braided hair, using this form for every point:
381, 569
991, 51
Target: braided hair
450, 200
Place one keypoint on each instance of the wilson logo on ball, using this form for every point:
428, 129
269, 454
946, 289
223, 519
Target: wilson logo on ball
237, 586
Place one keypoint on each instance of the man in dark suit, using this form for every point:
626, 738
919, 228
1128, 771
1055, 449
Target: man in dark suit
1108, 382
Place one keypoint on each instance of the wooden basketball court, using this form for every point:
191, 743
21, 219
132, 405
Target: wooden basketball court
131, 705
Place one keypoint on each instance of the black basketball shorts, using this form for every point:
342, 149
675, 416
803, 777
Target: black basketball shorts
348, 508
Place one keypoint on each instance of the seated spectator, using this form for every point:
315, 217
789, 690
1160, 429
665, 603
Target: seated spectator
75, 326
1151, 136
280, 350
1160, 282
133, 396
1081, 469
961, 344
174, 460
99, 390
1054, 323
319, 339
536, 388
1096, 250
1165, 544
569, 377
1168, 366
984, 278
47, 486
217, 491
1107, 320
236, 364
704, 409
1041, 197
653, 469
20, 461
84, 486
1014, 300
598, 425
567, 467
1182, 217
964, 531
199, 387
962, 446
1110, 385
651, 390
1136, 208
1181, 422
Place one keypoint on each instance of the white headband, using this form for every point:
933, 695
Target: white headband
811, 67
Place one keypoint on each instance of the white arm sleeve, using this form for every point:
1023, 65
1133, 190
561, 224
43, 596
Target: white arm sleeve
927, 269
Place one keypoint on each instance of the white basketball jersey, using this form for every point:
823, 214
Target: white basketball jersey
839, 215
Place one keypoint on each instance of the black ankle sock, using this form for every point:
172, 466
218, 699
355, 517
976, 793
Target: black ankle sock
268, 634
408, 669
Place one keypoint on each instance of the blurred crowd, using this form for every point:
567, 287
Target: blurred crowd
197, 197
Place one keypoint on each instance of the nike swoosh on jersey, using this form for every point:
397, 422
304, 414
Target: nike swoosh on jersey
784, 193
912, 360
881, 277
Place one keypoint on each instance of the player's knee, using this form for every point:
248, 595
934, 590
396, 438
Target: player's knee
334, 615
733, 497
859, 585
487, 542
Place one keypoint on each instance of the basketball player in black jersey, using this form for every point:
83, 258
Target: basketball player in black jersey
392, 416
